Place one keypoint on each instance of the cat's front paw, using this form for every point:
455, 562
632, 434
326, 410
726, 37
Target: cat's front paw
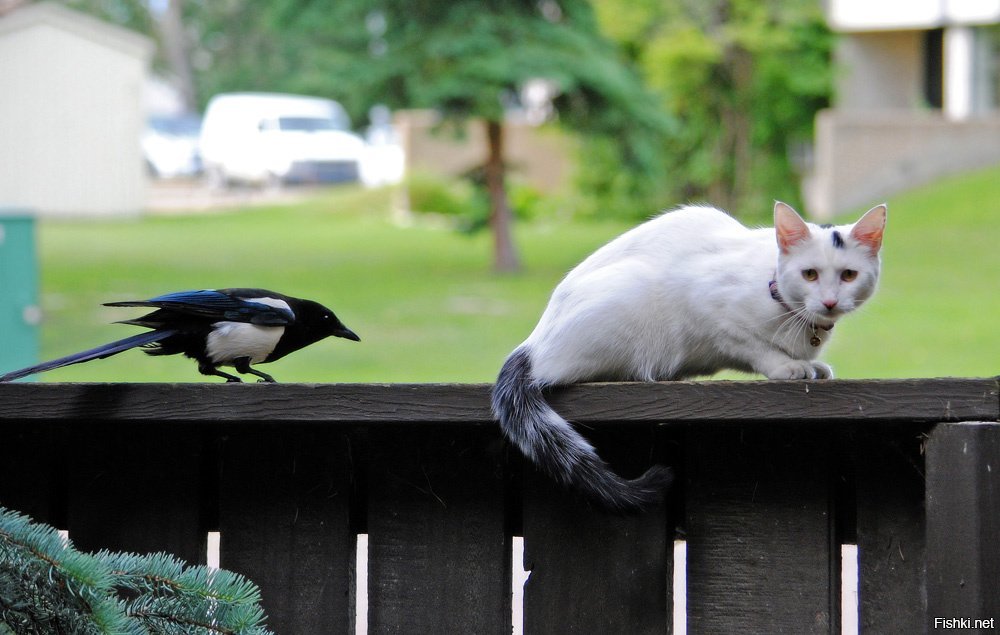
798, 369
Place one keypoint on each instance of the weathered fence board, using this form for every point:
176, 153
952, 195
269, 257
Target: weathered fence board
797, 402
437, 544
285, 521
568, 547
963, 524
31, 480
759, 522
772, 478
890, 530
137, 488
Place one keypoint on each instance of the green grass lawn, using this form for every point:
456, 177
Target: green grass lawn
428, 307
938, 306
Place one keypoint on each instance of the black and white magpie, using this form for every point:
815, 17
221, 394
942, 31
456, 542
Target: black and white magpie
224, 327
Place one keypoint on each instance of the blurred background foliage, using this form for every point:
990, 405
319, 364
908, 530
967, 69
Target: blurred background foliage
743, 79
687, 100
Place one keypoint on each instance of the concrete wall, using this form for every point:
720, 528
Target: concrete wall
863, 158
540, 156
70, 113
882, 137
880, 70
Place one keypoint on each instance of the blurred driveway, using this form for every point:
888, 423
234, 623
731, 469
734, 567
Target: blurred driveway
190, 196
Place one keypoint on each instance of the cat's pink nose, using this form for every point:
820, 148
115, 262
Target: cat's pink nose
830, 304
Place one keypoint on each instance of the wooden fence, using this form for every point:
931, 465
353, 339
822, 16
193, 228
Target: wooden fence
773, 478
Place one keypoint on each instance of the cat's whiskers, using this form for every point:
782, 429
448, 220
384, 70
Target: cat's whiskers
790, 321
796, 326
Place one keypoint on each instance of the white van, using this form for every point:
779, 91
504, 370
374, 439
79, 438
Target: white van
276, 139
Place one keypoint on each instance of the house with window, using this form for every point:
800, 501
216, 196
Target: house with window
917, 98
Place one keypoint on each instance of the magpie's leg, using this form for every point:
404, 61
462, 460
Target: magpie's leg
206, 368
243, 366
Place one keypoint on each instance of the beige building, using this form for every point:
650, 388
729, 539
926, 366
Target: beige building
917, 98
71, 115
538, 155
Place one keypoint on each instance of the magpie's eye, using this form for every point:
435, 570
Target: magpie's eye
848, 275
810, 275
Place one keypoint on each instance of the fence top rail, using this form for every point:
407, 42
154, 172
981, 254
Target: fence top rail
876, 401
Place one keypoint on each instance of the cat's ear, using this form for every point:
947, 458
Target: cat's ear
788, 226
868, 231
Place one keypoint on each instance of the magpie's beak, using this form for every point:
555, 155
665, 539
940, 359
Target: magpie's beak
347, 334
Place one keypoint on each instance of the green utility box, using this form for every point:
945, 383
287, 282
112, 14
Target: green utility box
19, 309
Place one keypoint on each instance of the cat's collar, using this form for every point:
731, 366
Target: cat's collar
772, 286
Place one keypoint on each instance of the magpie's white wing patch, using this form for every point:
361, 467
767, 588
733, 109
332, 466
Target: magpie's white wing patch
229, 341
273, 302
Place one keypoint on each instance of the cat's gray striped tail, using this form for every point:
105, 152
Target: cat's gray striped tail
551, 443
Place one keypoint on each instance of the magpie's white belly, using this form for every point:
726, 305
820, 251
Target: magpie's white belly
231, 340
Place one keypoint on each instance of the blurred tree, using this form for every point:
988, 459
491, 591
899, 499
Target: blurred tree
170, 25
159, 20
745, 79
131, 14
464, 58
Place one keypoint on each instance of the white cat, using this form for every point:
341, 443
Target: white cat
688, 293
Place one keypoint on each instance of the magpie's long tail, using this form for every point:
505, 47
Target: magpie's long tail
552, 444
107, 350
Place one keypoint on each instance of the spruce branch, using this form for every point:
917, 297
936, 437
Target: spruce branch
47, 586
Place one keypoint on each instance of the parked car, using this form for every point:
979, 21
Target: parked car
275, 139
385, 161
170, 146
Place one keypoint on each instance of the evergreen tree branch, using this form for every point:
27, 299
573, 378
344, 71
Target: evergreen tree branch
47, 586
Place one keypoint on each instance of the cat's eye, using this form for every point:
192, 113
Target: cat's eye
810, 274
848, 275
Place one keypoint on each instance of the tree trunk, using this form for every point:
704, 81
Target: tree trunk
505, 258
171, 26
